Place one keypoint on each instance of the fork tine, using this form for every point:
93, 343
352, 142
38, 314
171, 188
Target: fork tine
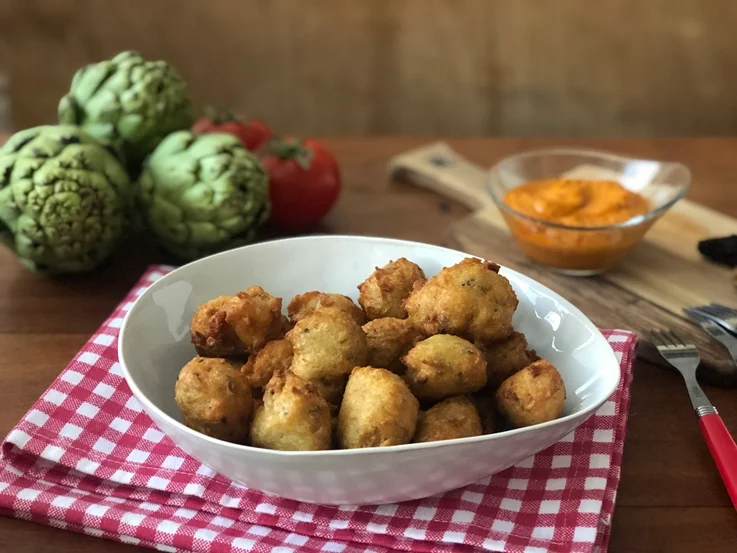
723, 309
696, 313
674, 338
667, 340
657, 338
710, 309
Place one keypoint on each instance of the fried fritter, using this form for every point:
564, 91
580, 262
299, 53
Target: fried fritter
455, 417
388, 340
383, 293
442, 366
286, 325
208, 331
485, 405
534, 395
233, 325
214, 398
469, 299
327, 344
305, 304
331, 389
378, 410
294, 417
503, 359
273, 357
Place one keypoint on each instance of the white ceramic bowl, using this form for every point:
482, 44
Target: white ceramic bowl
154, 345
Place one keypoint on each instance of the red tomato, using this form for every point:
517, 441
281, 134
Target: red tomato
304, 182
253, 133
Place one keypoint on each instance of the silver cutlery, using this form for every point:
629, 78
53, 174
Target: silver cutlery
720, 314
718, 333
685, 358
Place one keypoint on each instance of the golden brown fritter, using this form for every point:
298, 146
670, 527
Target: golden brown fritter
503, 359
383, 293
286, 325
485, 404
214, 398
208, 331
327, 344
232, 325
293, 416
442, 366
534, 395
330, 388
309, 302
378, 410
273, 357
469, 299
334, 422
388, 340
455, 417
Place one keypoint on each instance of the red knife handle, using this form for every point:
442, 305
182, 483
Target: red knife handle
723, 450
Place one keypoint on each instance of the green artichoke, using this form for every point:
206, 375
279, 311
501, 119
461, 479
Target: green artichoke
63, 198
128, 99
203, 194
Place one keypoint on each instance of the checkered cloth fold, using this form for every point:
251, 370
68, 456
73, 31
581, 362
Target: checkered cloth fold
88, 459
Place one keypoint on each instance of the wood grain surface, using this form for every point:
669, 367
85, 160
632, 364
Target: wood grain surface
451, 67
670, 498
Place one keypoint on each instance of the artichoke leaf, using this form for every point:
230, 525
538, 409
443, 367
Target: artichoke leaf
212, 167
173, 231
6, 169
8, 210
103, 107
70, 112
163, 210
88, 80
119, 82
18, 141
236, 224
175, 177
132, 127
206, 234
197, 204
212, 144
175, 143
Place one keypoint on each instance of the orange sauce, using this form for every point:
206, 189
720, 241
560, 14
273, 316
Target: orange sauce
578, 203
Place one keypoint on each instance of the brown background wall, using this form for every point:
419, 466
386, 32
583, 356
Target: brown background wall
424, 67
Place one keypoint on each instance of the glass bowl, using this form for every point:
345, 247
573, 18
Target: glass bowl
585, 250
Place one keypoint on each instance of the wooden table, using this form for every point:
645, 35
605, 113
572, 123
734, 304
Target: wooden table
670, 498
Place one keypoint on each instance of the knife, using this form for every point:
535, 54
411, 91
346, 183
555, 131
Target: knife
719, 334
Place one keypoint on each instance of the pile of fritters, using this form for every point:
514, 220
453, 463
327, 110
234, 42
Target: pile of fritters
420, 360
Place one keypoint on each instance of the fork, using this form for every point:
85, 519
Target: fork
686, 358
723, 316
718, 332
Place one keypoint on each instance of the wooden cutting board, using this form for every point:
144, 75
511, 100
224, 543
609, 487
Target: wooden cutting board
649, 288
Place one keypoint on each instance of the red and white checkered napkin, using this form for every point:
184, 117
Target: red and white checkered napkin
87, 458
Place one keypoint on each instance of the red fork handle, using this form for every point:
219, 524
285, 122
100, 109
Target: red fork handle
723, 450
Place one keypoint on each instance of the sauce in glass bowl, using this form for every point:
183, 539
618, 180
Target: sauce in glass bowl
568, 223
577, 202
579, 211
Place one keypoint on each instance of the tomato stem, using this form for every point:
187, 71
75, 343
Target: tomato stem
291, 149
219, 116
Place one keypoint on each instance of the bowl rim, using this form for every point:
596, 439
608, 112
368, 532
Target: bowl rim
593, 154
149, 405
